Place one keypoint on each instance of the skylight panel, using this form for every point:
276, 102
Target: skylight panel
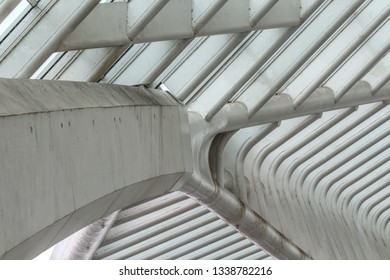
13, 18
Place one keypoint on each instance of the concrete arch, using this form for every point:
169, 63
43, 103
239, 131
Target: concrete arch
72, 153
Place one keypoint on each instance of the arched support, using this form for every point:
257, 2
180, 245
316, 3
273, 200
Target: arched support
72, 153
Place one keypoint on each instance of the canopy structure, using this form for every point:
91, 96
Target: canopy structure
195, 129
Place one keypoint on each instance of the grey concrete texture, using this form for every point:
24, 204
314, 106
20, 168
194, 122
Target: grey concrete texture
72, 153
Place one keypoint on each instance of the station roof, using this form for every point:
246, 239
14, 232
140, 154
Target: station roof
304, 85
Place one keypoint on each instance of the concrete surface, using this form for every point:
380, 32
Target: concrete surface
72, 153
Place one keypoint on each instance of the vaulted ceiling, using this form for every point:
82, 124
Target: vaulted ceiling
293, 95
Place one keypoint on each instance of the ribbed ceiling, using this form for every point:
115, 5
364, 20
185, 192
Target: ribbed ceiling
174, 227
319, 173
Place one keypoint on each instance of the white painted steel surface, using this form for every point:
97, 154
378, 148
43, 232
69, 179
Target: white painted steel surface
173, 227
42, 37
292, 122
177, 19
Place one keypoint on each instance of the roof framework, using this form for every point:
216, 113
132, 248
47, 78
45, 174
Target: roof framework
288, 112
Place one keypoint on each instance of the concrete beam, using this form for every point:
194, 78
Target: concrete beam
72, 153
113, 24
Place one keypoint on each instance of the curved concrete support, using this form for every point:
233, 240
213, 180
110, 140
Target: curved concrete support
72, 153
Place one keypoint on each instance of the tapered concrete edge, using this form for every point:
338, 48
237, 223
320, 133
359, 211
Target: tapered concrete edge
60, 229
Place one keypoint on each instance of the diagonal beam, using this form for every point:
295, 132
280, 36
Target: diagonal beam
281, 107
109, 24
31, 48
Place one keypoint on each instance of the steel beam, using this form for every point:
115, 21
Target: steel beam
111, 24
234, 212
30, 49
281, 107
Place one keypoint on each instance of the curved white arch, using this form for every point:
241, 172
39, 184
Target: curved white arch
72, 153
